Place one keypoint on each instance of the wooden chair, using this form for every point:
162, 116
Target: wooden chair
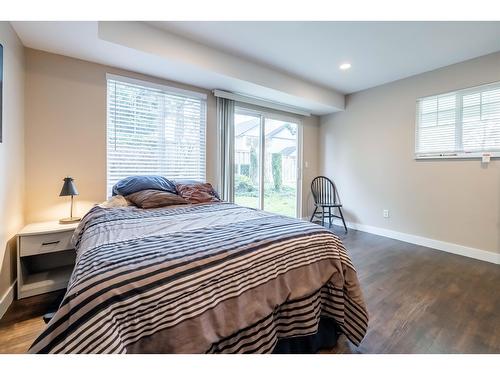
326, 196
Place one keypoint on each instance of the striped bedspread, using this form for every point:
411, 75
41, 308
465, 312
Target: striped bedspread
212, 278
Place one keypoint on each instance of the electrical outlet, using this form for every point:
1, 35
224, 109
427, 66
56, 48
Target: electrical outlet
386, 213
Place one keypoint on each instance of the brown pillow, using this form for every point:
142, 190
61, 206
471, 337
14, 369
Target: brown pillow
197, 193
154, 198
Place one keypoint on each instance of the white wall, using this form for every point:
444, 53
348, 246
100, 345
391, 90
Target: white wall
11, 153
368, 150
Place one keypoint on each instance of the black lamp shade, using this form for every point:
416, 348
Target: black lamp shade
68, 188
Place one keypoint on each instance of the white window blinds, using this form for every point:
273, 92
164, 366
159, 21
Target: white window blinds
153, 129
464, 123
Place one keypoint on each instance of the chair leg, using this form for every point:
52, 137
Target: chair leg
322, 216
329, 217
342, 217
314, 213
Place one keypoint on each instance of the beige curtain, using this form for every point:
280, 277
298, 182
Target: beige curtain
225, 125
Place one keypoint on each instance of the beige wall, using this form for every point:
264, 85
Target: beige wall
369, 148
11, 153
66, 129
310, 140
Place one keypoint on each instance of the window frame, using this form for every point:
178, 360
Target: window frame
156, 86
458, 126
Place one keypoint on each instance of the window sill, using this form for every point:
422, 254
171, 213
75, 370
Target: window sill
458, 155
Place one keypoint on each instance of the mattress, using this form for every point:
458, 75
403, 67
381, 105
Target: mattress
207, 278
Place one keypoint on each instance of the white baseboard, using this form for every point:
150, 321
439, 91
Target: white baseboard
449, 247
7, 299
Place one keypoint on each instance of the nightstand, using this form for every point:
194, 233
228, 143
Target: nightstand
45, 258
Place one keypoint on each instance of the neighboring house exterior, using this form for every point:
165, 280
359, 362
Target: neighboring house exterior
280, 143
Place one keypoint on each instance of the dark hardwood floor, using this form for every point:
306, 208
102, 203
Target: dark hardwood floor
420, 301
23, 322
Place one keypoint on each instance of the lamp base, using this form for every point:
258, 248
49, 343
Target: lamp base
69, 220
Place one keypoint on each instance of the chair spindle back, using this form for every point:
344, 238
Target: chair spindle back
324, 191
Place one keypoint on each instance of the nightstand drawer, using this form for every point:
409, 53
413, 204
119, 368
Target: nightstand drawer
45, 243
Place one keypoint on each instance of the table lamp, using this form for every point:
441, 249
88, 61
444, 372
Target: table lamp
69, 188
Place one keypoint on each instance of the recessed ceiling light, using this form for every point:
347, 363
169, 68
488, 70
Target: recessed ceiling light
345, 66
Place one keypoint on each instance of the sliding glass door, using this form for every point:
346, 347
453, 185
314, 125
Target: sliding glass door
280, 167
266, 173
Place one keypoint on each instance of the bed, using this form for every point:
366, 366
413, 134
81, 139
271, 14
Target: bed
204, 278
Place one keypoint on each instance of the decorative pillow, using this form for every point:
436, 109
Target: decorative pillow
116, 201
132, 184
197, 193
195, 182
154, 198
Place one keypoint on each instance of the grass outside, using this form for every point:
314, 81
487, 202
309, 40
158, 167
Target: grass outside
282, 203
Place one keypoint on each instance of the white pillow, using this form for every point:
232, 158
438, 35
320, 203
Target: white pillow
115, 201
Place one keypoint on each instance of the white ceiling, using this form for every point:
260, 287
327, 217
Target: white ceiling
142, 48
379, 52
294, 63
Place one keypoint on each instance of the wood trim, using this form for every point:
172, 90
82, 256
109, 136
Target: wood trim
7, 299
470, 252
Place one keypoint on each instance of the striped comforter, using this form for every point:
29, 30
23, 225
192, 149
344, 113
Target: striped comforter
210, 278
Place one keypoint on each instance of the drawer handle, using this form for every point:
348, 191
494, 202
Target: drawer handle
50, 243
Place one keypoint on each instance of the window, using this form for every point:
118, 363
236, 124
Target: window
154, 129
465, 123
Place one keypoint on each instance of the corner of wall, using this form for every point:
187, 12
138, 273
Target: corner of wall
11, 157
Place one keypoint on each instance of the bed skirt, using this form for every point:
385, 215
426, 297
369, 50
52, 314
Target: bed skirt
326, 338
